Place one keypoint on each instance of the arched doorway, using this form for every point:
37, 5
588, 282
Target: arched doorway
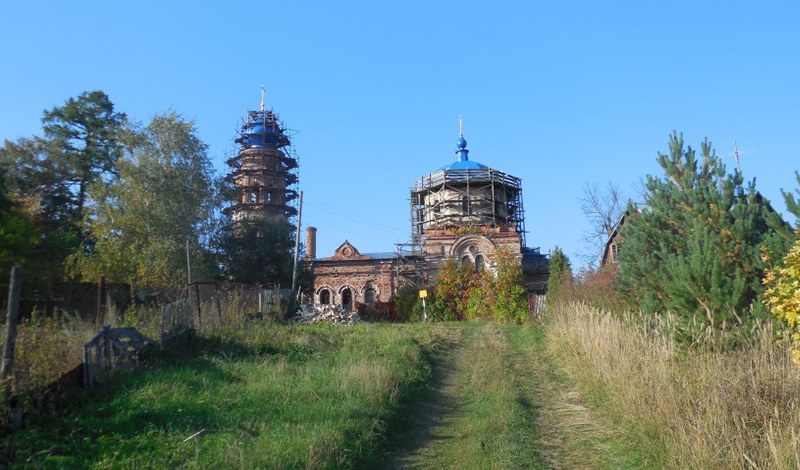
347, 299
369, 294
325, 297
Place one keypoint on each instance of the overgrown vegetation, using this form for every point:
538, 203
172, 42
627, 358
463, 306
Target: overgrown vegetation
46, 348
461, 292
500, 296
702, 408
306, 397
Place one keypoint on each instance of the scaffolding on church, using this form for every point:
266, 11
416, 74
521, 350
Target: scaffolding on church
409, 265
264, 171
463, 197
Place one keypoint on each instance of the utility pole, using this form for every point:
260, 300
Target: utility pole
297, 246
188, 264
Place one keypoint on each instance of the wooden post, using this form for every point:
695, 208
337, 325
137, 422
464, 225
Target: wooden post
219, 307
87, 368
197, 296
100, 317
107, 348
14, 289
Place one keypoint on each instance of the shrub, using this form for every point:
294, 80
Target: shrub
595, 287
501, 297
403, 301
782, 296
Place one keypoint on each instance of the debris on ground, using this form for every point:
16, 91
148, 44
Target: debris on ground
335, 314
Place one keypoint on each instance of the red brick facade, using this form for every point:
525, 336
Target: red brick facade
349, 278
364, 279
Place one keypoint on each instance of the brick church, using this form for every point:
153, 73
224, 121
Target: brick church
464, 209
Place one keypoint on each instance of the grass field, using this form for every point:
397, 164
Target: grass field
311, 397
584, 390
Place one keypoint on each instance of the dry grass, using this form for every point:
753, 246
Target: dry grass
46, 348
687, 408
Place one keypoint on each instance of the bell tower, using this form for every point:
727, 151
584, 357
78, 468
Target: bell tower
264, 169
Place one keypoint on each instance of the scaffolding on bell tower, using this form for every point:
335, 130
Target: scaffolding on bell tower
264, 171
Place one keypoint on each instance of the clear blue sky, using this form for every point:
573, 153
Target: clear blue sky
557, 93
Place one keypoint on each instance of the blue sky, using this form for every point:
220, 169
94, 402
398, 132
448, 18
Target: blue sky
557, 93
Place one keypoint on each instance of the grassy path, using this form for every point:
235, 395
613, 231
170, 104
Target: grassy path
497, 402
445, 396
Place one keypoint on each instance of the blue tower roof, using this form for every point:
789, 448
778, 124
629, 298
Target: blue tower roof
463, 162
262, 129
468, 165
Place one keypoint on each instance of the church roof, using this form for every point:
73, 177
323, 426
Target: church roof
464, 165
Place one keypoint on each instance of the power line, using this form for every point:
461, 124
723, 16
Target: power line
364, 221
360, 234
333, 207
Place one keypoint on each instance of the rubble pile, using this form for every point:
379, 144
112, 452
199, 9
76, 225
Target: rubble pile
315, 313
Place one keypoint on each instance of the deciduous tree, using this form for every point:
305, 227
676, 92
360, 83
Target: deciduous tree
602, 208
165, 195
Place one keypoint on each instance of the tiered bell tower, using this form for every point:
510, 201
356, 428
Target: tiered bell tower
264, 170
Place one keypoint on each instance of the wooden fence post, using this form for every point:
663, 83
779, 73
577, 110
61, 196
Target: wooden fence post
199, 317
100, 317
14, 289
219, 307
87, 367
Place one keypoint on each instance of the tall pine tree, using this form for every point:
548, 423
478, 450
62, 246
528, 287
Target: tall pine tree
86, 132
697, 249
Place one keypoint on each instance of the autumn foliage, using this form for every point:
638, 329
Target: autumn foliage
782, 296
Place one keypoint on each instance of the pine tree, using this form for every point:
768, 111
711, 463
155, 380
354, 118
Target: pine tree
560, 274
697, 247
86, 132
257, 252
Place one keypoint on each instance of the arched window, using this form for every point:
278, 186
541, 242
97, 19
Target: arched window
465, 204
465, 259
253, 197
369, 295
325, 297
479, 263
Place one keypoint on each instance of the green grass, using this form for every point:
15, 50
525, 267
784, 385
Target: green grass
311, 397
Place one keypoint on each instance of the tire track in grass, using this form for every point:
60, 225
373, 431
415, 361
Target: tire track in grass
571, 435
484, 423
418, 427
